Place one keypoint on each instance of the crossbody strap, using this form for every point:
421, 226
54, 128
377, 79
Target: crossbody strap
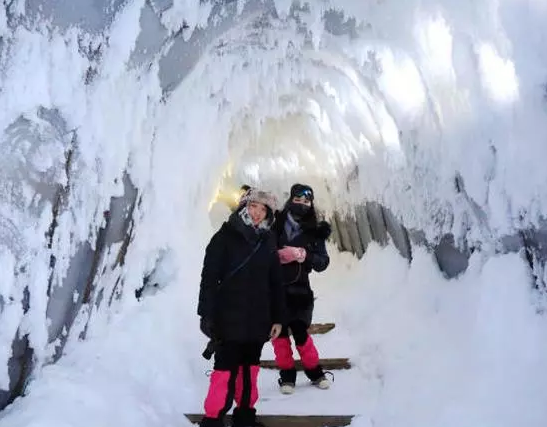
244, 262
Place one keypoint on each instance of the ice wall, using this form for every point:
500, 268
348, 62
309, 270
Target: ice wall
119, 118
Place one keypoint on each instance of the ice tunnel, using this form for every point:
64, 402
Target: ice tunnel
125, 123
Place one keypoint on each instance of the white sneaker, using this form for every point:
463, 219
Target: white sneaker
286, 388
323, 383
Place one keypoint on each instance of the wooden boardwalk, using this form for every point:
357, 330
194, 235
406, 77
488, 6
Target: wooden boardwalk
338, 363
301, 420
292, 420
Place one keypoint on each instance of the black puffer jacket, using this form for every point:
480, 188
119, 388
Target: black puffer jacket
242, 307
296, 282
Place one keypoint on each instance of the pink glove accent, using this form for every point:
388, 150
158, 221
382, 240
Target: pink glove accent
291, 253
286, 255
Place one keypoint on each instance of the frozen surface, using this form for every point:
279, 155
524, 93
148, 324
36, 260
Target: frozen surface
434, 108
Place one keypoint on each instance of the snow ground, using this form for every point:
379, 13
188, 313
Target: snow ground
426, 352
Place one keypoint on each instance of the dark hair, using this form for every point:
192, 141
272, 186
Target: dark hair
298, 190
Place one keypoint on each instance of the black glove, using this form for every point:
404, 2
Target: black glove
206, 326
209, 350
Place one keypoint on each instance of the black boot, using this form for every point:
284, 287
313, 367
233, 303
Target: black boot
245, 417
315, 373
211, 422
287, 376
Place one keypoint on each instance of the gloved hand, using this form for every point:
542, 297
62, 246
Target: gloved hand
207, 327
291, 253
286, 255
301, 255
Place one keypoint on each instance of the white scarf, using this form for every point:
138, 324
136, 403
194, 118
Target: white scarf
247, 220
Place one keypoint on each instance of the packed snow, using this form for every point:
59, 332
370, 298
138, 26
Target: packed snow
425, 351
421, 93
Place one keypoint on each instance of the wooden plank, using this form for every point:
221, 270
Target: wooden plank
320, 328
339, 363
291, 420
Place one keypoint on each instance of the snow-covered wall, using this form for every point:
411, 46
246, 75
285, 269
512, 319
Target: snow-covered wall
120, 118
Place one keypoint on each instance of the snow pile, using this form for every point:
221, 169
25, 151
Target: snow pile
137, 374
139, 368
447, 353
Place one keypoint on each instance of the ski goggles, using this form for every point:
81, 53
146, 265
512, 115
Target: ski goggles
307, 193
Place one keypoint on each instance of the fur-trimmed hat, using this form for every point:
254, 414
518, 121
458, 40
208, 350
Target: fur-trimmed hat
259, 196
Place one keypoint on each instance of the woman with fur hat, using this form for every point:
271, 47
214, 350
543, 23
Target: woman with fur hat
301, 247
241, 304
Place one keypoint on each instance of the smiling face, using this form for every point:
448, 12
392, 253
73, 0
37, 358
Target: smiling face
257, 212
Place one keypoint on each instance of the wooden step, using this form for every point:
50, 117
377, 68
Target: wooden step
320, 328
291, 420
340, 363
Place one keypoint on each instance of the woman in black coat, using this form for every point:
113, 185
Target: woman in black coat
241, 304
301, 247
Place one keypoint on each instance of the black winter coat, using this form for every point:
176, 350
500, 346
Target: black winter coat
244, 306
298, 293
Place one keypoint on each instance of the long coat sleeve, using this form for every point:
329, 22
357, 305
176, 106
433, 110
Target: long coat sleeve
211, 275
